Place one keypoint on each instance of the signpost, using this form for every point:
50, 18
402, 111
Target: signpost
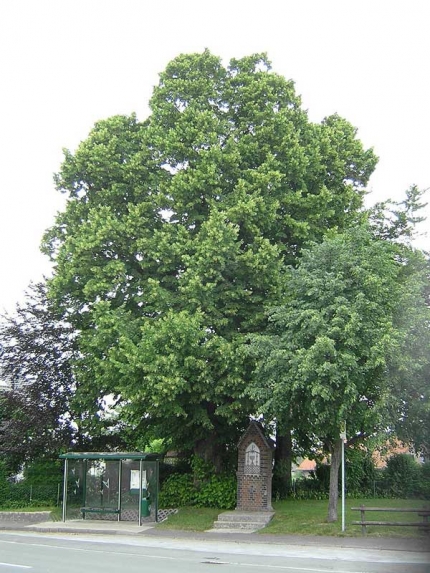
343, 438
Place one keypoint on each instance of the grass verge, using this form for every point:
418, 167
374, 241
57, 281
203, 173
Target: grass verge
191, 519
308, 517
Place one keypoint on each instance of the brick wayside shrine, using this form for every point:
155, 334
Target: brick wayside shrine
254, 484
254, 471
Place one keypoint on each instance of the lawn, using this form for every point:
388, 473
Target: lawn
309, 518
293, 517
191, 519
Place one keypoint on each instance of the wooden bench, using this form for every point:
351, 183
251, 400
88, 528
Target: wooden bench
421, 512
100, 510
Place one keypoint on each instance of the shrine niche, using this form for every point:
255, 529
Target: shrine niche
252, 460
254, 471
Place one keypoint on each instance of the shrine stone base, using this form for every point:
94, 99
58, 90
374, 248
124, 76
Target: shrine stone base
242, 521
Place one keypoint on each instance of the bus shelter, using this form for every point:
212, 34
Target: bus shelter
111, 486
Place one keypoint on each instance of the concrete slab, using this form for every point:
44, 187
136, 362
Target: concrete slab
242, 521
90, 526
232, 531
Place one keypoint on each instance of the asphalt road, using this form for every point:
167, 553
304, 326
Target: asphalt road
42, 553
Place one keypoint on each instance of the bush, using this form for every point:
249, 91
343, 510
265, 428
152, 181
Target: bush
360, 472
39, 488
44, 473
219, 491
4, 484
424, 481
177, 491
202, 488
402, 476
23, 494
309, 488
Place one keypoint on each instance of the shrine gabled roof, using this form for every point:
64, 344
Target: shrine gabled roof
256, 426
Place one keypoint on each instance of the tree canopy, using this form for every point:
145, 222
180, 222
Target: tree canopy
338, 348
35, 413
176, 235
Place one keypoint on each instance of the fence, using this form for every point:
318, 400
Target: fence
22, 494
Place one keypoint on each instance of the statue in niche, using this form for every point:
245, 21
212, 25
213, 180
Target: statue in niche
252, 460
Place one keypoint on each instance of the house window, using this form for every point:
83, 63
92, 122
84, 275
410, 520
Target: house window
252, 459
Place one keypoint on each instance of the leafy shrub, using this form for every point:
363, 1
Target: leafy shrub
309, 488
201, 488
177, 491
44, 472
424, 481
402, 476
322, 476
360, 472
22, 494
202, 470
4, 485
219, 491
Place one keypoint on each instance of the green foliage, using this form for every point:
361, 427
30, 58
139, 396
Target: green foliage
200, 489
177, 491
202, 469
424, 481
35, 415
360, 471
402, 475
4, 485
322, 476
280, 487
220, 491
44, 472
396, 220
308, 488
175, 236
39, 493
21, 495
344, 343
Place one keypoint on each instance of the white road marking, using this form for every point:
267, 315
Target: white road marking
15, 565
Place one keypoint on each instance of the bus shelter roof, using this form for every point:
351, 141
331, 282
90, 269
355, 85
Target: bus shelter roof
148, 457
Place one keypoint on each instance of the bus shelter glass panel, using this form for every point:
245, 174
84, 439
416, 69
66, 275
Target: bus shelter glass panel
131, 481
102, 488
75, 489
151, 469
130, 490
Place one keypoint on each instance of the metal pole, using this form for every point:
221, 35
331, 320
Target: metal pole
119, 489
157, 480
343, 438
66, 470
84, 486
343, 485
140, 492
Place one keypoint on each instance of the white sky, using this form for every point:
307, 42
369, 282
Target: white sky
65, 64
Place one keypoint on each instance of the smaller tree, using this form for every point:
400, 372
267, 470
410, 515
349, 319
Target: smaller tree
38, 350
327, 355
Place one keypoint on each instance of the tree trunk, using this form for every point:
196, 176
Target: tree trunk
336, 456
209, 450
283, 463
